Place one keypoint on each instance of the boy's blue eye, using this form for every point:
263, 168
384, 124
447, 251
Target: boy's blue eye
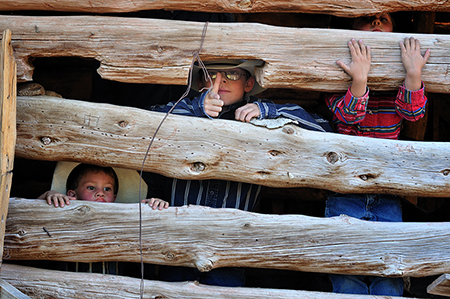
108, 189
90, 188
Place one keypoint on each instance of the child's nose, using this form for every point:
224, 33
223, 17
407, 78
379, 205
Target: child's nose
376, 22
224, 77
100, 194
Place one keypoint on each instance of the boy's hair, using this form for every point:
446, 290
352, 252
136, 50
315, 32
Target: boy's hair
75, 176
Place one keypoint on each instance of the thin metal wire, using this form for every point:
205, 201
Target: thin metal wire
196, 55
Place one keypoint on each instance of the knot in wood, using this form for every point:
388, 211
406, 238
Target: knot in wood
288, 130
123, 124
332, 157
83, 209
46, 140
170, 256
367, 176
205, 267
274, 152
22, 233
245, 4
198, 167
446, 172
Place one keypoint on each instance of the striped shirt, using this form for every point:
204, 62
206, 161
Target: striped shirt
222, 193
379, 117
210, 193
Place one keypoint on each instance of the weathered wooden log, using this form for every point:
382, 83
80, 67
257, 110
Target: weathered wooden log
351, 8
441, 286
206, 238
8, 92
56, 129
161, 51
10, 292
66, 285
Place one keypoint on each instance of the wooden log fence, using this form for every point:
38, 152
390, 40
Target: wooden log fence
59, 129
297, 58
207, 238
56, 129
352, 8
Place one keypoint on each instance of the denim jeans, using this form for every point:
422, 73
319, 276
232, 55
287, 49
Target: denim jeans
226, 277
371, 207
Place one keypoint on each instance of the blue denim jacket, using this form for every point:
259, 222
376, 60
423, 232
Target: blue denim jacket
269, 110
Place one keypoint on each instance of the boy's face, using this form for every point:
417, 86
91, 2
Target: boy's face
230, 91
379, 22
95, 186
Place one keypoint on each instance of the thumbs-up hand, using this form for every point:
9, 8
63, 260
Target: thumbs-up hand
213, 104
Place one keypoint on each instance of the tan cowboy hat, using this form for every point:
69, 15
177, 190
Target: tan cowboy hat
128, 182
248, 65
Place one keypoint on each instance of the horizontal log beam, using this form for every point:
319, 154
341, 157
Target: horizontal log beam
56, 129
206, 238
160, 51
441, 286
10, 292
41, 283
351, 8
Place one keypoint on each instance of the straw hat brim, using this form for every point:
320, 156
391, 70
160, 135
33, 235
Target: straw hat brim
128, 182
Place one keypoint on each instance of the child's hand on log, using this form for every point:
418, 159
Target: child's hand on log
56, 198
247, 112
156, 203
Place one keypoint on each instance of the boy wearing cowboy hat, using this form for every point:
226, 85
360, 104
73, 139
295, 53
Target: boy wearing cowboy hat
228, 93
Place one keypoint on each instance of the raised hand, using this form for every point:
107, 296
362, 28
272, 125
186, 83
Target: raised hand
213, 104
359, 67
413, 62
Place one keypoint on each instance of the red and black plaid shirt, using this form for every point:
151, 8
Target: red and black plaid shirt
379, 117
